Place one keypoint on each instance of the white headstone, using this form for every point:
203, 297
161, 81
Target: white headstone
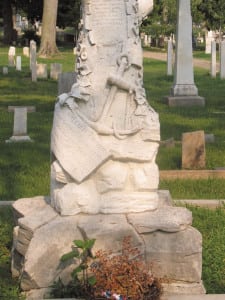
18, 63
5, 70
20, 123
222, 60
33, 60
170, 58
209, 37
213, 59
55, 70
26, 51
184, 91
42, 71
12, 51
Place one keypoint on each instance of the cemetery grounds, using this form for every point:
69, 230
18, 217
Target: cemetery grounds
25, 167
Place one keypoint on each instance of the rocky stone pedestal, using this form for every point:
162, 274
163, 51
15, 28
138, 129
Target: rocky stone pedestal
170, 245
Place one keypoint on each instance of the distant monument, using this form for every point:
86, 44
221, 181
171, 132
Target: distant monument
184, 91
104, 178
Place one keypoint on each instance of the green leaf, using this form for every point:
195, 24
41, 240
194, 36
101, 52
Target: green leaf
80, 244
89, 243
76, 271
92, 280
70, 255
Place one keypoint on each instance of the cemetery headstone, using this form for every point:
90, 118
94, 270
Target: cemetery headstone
18, 63
193, 150
170, 57
55, 70
104, 177
5, 70
11, 56
33, 60
26, 51
213, 59
222, 60
184, 91
65, 82
209, 37
20, 123
42, 70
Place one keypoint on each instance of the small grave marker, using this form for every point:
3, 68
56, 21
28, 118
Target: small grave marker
65, 82
42, 71
193, 150
18, 63
55, 70
20, 123
213, 59
5, 70
26, 51
33, 63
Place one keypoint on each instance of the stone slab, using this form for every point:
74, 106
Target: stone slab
169, 219
193, 150
185, 101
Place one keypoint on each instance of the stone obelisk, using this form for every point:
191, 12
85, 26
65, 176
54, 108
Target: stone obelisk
184, 91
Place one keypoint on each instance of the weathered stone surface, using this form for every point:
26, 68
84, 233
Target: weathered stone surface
26, 206
42, 71
55, 70
125, 202
193, 150
105, 121
65, 82
168, 219
184, 288
42, 260
109, 231
177, 255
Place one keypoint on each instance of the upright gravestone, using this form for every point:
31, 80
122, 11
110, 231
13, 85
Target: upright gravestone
193, 150
11, 56
209, 37
5, 70
55, 70
26, 51
222, 60
42, 71
213, 59
33, 60
20, 123
170, 57
65, 81
104, 176
184, 91
18, 63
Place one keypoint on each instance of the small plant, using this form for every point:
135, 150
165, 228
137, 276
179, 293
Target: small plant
124, 276
81, 284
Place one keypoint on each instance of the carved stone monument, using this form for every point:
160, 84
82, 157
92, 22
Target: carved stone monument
184, 91
104, 179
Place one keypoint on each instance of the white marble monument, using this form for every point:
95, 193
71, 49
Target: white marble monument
184, 91
213, 59
104, 178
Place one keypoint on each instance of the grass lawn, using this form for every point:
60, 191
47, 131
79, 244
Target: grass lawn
24, 168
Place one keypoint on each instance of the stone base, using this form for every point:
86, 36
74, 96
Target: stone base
171, 247
184, 101
15, 139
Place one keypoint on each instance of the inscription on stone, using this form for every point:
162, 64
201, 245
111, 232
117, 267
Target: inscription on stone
109, 15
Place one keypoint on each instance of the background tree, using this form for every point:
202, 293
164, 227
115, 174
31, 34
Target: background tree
7, 14
48, 36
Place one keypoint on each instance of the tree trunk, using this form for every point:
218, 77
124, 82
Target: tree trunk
48, 37
7, 22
